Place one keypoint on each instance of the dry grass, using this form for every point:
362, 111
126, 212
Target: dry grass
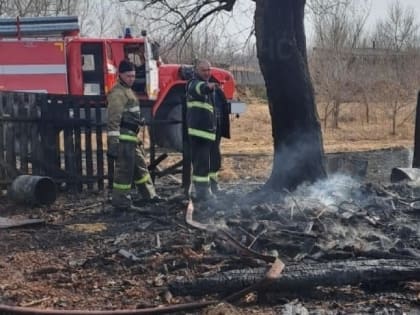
355, 134
251, 136
251, 133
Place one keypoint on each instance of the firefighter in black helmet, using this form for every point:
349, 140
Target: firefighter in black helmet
124, 121
204, 118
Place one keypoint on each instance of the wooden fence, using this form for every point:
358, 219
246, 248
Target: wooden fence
53, 135
64, 137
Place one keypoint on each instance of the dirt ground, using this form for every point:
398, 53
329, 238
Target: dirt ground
88, 256
73, 261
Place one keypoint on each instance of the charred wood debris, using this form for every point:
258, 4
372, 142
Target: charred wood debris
336, 233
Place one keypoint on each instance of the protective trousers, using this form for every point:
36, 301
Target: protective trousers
130, 167
206, 161
215, 163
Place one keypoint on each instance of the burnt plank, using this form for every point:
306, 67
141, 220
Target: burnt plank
35, 131
48, 134
78, 143
304, 277
69, 152
55, 130
10, 133
2, 133
22, 132
88, 143
99, 143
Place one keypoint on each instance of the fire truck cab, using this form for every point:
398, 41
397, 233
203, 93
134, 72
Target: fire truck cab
47, 55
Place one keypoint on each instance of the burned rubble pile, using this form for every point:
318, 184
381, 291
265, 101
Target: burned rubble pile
332, 234
336, 232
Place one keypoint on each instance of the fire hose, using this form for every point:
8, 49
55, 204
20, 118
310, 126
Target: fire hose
5, 309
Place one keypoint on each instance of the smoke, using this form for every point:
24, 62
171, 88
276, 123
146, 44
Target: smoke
410, 155
330, 191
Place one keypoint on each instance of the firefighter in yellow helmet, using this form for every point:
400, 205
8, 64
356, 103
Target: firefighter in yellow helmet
124, 121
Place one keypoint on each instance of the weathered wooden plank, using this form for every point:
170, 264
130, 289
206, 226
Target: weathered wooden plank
36, 128
23, 133
78, 143
99, 144
10, 134
49, 153
2, 133
88, 143
69, 151
35, 131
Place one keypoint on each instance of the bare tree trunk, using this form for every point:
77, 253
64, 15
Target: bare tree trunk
336, 113
281, 48
367, 109
394, 120
326, 114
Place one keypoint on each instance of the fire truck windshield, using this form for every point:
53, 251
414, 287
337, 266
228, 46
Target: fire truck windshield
135, 53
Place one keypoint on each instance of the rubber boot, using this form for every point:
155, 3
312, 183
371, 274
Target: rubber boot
147, 194
215, 188
120, 200
202, 192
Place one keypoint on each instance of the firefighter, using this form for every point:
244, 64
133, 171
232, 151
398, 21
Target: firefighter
124, 121
205, 115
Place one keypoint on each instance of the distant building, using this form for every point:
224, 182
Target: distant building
247, 76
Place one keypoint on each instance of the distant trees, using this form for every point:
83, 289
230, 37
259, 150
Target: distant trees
94, 16
398, 35
37, 7
339, 29
398, 30
351, 65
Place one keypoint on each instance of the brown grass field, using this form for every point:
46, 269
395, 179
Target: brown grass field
248, 154
251, 132
251, 136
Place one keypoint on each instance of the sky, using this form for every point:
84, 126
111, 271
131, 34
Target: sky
242, 17
380, 7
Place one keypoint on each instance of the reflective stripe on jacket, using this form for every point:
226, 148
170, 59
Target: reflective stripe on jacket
123, 110
201, 120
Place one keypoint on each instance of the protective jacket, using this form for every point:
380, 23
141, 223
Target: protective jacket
204, 120
201, 112
123, 115
124, 121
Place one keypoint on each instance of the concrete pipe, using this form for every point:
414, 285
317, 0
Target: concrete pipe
33, 190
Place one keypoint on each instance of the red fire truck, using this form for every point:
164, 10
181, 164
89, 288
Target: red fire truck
47, 55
